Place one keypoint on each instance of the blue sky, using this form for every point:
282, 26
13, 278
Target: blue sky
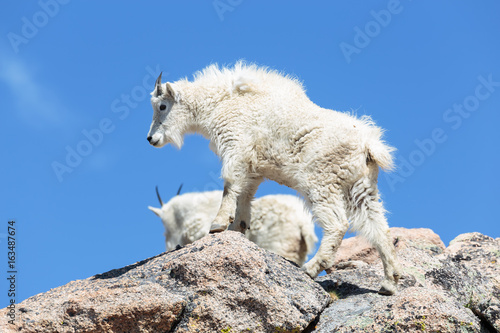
77, 173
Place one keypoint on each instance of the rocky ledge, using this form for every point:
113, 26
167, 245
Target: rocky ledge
225, 283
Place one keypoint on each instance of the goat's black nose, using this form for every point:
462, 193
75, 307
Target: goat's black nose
149, 138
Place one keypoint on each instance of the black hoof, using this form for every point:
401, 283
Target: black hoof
216, 228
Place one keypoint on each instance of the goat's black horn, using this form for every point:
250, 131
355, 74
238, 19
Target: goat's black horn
179, 190
158, 195
158, 88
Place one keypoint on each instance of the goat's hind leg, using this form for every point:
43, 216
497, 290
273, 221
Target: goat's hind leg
331, 216
368, 219
377, 232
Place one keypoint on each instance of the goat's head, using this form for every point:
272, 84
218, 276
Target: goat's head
166, 212
158, 211
168, 115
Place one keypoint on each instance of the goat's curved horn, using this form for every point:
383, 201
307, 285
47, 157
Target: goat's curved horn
179, 190
158, 195
158, 88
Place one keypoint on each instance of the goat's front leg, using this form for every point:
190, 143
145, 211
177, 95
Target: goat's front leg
227, 210
243, 205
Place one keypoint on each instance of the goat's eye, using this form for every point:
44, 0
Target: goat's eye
163, 107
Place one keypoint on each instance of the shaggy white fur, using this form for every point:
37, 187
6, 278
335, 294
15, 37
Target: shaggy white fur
262, 125
279, 223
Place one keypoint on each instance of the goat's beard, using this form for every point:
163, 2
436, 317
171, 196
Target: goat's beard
175, 138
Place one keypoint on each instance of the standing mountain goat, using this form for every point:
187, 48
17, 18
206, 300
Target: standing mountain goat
280, 223
262, 125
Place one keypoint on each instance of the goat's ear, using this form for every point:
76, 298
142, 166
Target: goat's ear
157, 211
173, 93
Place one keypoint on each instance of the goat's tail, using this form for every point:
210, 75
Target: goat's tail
381, 154
377, 150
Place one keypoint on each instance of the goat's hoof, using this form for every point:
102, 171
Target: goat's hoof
215, 228
387, 289
397, 276
306, 269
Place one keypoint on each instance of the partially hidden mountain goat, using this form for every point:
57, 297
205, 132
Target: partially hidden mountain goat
262, 125
279, 223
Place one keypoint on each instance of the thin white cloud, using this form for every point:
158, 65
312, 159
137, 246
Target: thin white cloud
35, 103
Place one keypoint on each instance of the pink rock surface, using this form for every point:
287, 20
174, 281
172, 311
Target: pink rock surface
221, 282
357, 248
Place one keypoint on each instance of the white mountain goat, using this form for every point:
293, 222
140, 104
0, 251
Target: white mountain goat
262, 125
279, 223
